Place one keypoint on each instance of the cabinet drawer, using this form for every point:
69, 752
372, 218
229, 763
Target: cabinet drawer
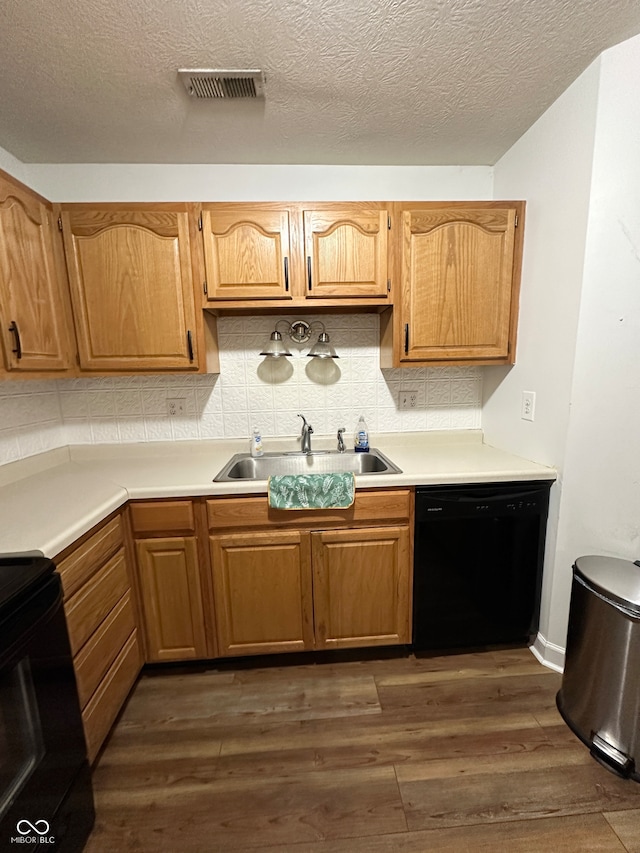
99, 652
100, 713
79, 566
88, 607
162, 517
372, 506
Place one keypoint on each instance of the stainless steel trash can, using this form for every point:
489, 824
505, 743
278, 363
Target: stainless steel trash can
600, 694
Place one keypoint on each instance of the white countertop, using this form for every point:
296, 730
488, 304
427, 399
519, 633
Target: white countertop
48, 501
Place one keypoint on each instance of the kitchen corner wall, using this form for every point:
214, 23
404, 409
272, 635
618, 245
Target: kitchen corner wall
30, 419
38, 416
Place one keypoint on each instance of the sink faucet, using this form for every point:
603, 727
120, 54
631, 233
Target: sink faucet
341, 447
305, 436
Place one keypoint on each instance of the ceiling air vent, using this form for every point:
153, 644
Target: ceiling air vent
214, 83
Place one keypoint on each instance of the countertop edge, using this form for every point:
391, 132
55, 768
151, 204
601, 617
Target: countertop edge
373, 481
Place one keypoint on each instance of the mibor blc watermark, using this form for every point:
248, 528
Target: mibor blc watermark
37, 832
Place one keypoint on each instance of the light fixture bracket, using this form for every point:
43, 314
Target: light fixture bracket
299, 331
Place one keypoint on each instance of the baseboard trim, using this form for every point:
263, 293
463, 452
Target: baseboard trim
549, 654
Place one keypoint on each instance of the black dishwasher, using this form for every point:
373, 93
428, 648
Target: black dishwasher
478, 559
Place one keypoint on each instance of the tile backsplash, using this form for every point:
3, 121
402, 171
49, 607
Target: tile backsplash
37, 416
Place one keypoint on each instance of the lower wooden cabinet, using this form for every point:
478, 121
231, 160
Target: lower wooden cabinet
96, 656
279, 590
88, 608
100, 712
176, 608
269, 581
262, 590
361, 586
169, 583
101, 619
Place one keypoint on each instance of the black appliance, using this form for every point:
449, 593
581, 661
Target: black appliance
46, 798
478, 559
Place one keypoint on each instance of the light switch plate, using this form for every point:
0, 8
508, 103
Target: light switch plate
528, 412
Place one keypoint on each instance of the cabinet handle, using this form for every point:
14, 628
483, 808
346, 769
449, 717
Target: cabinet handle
13, 327
309, 271
189, 345
406, 338
286, 274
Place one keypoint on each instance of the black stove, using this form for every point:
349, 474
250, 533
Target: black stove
45, 781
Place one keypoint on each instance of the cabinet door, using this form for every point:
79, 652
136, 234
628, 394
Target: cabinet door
262, 592
169, 579
459, 288
361, 587
246, 253
131, 279
34, 303
346, 253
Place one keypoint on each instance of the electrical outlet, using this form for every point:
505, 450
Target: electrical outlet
175, 407
408, 399
528, 412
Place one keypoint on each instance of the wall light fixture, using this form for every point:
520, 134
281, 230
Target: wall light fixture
300, 332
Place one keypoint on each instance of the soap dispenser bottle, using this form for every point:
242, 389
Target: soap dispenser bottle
361, 437
256, 442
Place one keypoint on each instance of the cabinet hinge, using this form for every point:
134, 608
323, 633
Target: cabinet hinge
205, 288
59, 223
200, 223
515, 224
388, 285
388, 223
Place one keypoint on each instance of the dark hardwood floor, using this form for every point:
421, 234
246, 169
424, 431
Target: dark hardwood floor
395, 755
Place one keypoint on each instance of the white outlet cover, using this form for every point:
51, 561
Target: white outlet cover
175, 406
408, 399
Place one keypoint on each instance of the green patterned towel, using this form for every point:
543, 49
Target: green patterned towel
312, 491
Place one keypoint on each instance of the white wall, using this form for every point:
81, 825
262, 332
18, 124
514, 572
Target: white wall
550, 167
579, 346
600, 509
13, 166
30, 419
127, 182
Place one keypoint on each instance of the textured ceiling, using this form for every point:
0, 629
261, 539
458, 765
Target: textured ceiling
348, 81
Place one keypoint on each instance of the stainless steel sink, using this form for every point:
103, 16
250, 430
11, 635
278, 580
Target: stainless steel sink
242, 466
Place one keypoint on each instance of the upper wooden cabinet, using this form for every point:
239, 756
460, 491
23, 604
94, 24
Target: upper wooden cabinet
131, 273
346, 253
459, 271
246, 253
35, 317
333, 253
